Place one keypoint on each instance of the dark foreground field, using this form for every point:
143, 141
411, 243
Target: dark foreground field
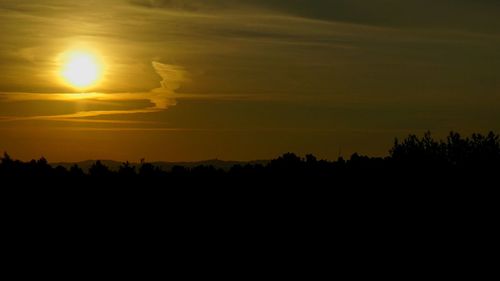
426, 196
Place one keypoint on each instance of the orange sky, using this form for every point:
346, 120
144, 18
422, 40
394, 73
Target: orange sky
242, 80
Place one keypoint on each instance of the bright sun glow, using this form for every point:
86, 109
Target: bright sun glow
81, 69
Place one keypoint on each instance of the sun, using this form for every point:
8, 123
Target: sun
81, 69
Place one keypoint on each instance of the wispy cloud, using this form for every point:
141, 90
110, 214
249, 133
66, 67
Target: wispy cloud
162, 97
172, 77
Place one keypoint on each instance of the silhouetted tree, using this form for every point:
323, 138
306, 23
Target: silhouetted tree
149, 170
98, 170
288, 163
126, 170
76, 172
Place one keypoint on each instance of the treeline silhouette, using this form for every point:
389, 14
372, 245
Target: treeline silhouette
410, 160
422, 184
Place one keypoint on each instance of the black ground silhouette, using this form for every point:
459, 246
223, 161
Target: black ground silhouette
422, 188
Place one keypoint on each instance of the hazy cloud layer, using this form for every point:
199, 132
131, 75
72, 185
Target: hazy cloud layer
256, 47
466, 14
